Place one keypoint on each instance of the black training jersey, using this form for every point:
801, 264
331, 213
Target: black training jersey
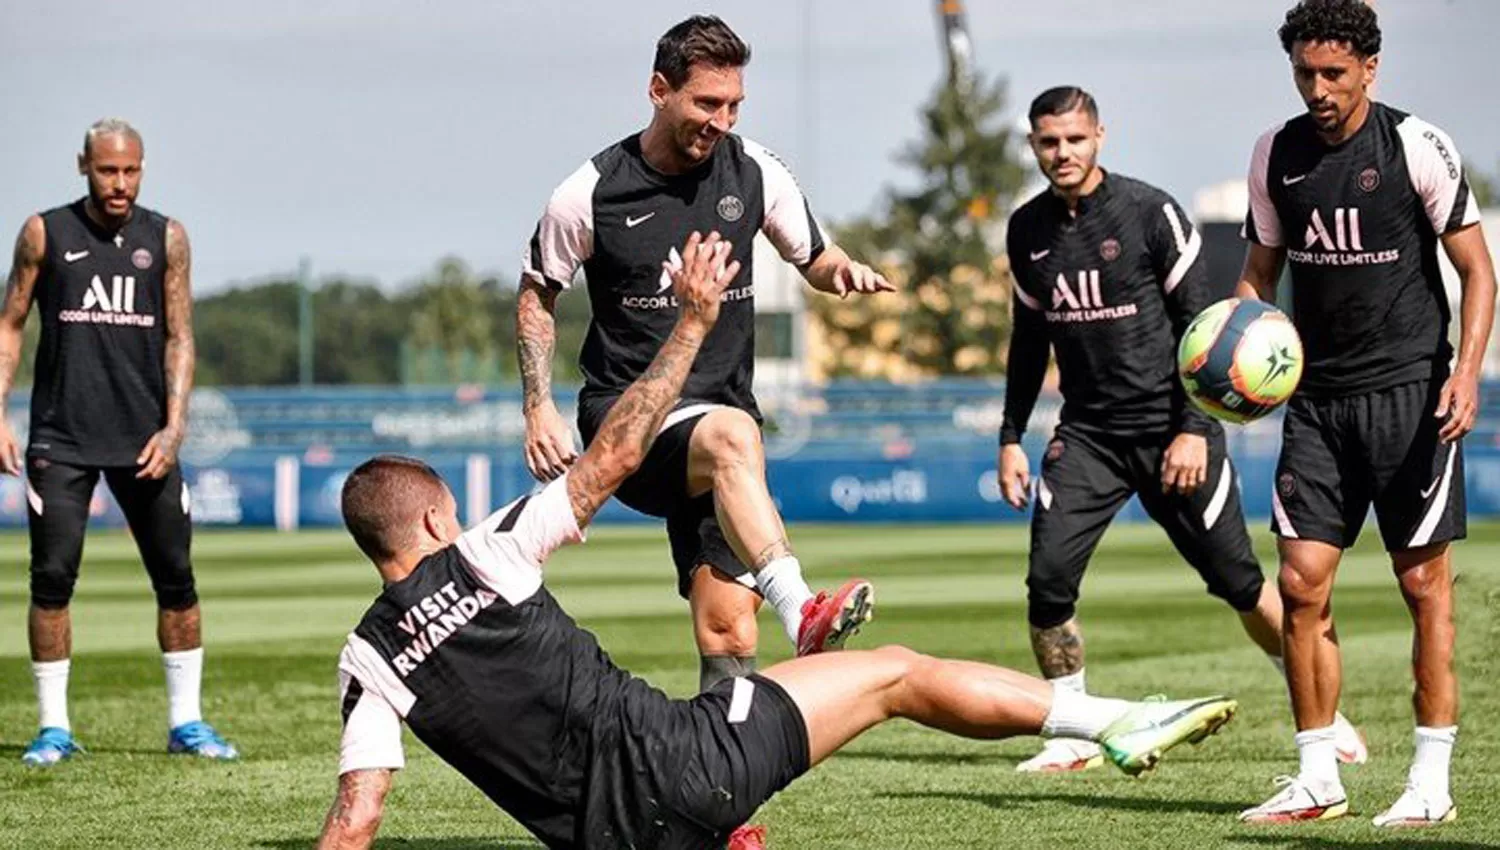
1360, 223
620, 219
1110, 290
490, 673
99, 390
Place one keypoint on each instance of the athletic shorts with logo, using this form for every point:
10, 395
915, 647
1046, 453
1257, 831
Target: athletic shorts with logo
683, 774
58, 497
1087, 476
659, 489
1341, 455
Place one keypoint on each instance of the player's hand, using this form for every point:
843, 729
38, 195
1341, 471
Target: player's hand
1015, 476
1458, 401
160, 453
853, 277
1184, 465
549, 442
10, 450
700, 282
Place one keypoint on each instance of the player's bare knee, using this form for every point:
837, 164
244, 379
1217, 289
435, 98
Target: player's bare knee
727, 629
1302, 590
1425, 584
733, 438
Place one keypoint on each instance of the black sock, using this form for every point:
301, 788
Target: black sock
713, 669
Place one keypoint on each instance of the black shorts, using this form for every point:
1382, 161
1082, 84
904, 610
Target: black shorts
684, 774
659, 489
157, 511
1087, 477
1341, 455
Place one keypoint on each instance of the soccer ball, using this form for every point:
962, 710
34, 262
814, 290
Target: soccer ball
1240, 359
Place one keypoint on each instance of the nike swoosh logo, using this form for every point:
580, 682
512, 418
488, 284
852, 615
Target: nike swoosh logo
632, 222
74, 256
1037, 255
1287, 180
1433, 486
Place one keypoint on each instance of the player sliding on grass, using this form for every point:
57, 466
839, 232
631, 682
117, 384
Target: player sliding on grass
468, 648
1108, 275
1357, 196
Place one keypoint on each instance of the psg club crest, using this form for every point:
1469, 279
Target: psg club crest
1369, 180
731, 208
1055, 449
141, 259
1110, 250
1286, 485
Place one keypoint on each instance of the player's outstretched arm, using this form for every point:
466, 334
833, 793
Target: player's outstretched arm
628, 431
355, 816
26, 265
1459, 399
835, 272
1261, 273
549, 442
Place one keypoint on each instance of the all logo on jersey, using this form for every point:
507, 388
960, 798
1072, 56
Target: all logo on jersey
731, 208
1080, 300
109, 304
1338, 240
664, 299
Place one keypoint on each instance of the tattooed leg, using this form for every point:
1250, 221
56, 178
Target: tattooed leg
1059, 650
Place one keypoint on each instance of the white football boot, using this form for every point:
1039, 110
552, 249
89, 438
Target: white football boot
1300, 799
1419, 807
1063, 755
1348, 742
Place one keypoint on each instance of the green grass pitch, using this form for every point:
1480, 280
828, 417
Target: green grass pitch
277, 608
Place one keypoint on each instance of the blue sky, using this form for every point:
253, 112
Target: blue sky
376, 136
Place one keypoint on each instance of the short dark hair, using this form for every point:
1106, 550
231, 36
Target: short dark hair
383, 498
700, 39
1349, 21
1061, 100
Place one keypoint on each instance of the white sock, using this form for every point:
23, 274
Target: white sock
52, 692
184, 684
781, 583
1072, 682
1318, 754
1075, 714
1429, 768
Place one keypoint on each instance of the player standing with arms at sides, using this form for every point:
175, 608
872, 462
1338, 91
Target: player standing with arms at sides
113, 372
1108, 275
506, 688
1358, 196
618, 217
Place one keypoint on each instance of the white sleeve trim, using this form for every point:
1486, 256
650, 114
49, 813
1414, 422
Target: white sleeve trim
364, 662
1262, 211
372, 732
1188, 248
564, 237
507, 549
1437, 175
789, 222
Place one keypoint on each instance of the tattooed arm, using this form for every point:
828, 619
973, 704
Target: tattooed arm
356, 812
25, 267
632, 424
160, 453
549, 441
